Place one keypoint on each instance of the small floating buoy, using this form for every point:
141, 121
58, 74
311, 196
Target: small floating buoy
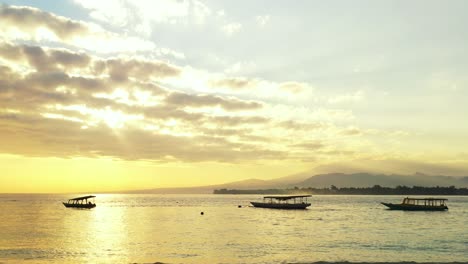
202, 213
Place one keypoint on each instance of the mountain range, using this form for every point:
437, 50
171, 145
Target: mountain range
322, 181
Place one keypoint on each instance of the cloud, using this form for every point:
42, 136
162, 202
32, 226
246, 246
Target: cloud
238, 120
121, 69
48, 111
347, 98
67, 101
231, 104
262, 20
294, 87
42, 59
352, 131
295, 125
34, 136
6, 78
141, 14
32, 24
233, 83
170, 112
231, 29
30, 19
241, 66
314, 145
52, 112
261, 88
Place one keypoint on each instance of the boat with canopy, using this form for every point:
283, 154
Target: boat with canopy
284, 202
419, 204
85, 202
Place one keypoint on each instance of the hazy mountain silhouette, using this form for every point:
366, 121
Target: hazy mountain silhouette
244, 184
304, 180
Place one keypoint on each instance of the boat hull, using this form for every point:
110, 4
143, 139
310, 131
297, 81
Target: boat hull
411, 207
281, 205
81, 206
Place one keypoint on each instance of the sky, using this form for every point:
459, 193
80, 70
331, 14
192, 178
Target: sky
120, 95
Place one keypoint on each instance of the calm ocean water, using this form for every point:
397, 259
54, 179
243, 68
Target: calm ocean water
170, 229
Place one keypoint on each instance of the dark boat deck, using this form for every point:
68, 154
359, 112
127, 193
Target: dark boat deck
282, 202
281, 205
419, 204
83, 206
80, 202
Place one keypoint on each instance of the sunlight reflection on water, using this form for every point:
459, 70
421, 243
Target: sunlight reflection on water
169, 228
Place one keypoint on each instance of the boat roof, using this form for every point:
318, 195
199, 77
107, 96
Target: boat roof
286, 197
427, 199
83, 197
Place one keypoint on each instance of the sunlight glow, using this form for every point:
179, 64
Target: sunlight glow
132, 98
60, 116
112, 118
43, 33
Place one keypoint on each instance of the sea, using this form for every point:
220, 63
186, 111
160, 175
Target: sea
155, 228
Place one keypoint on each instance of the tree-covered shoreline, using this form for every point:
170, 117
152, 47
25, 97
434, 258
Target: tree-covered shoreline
375, 190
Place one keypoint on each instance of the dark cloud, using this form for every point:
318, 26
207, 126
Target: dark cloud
70, 59
31, 93
296, 125
254, 138
44, 60
170, 112
225, 131
7, 77
10, 52
49, 81
352, 131
37, 58
293, 87
235, 83
119, 69
336, 152
238, 120
51, 100
29, 100
314, 145
40, 88
35, 136
241, 134
37, 90
31, 18
122, 69
183, 99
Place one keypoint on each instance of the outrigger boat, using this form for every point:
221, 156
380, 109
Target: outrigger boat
419, 204
81, 202
284, 202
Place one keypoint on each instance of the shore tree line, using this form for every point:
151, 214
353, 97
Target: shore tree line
374, 190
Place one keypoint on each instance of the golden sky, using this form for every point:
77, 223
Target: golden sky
98, 96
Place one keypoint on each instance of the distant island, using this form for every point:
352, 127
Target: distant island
375, 190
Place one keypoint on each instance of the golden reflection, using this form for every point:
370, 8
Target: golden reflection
98, 233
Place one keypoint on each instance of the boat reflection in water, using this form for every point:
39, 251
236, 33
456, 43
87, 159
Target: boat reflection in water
284, 202
419, 204
81, 202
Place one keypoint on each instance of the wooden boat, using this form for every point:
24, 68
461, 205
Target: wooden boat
81, 202
284, 202
419, 204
